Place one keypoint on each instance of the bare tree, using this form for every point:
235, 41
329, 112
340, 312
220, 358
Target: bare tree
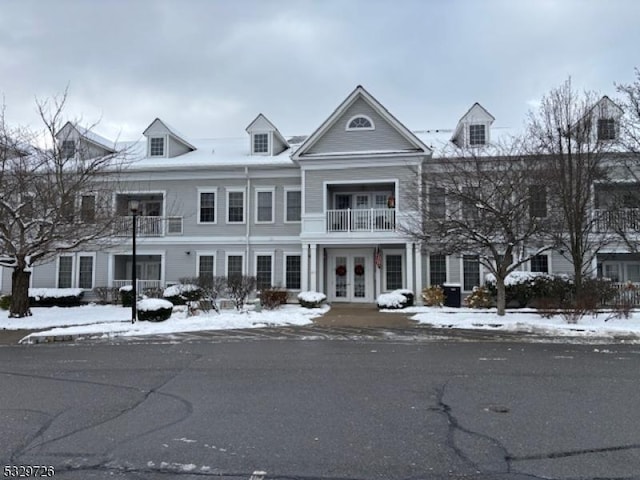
56, 195
572, 135
483, 202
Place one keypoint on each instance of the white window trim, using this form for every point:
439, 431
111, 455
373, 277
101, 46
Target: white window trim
244, 205
372, 127
286, 191
75, 147
95, 204
206, 253
271, 190
486, 134
257, 254
284, 270
165, 146
73, 269
235, 254
481, 269
93, 269
269, 135
393, 252
213, 190
446, 266
549, 267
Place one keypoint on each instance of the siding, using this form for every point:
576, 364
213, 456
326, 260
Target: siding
337, 139
314, 191
176, 148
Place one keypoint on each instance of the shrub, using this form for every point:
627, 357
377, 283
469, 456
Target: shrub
311, 299
433, 296
239, 287
5, 302
126, 295
392, 301
271, 298
154, 309
479, 298
181, 294
408, 294
153, 292
55, 297
105, 294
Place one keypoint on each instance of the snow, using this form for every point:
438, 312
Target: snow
391, 300
153, 304
176, 290
54, 292
528, 321
312, 297
114, 321
517, 278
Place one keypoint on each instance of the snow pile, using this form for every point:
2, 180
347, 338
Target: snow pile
153, 304
176, 290
39, 293
517, 278
126, 288
393, 300
312, 297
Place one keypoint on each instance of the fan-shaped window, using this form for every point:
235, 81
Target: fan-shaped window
360, 122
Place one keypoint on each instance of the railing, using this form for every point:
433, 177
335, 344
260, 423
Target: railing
149, 226
141, 285
362, 220
623, 219
628, 293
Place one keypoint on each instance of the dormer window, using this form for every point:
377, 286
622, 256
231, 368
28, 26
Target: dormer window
360, 122
260, 143
606, 129
477, 135
156, 147
68, 148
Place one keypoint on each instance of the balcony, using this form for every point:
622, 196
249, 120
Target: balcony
141, 285
361, 220
623, 219
148, 226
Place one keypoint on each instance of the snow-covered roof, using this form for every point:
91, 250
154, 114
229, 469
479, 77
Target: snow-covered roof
172, 131
439, 140
210, 152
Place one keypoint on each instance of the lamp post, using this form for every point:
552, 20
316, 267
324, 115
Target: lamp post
133, 207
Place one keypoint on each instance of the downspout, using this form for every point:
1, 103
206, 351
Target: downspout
248, 220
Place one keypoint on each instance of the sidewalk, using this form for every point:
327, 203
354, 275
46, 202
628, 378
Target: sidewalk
12, 337
362, 315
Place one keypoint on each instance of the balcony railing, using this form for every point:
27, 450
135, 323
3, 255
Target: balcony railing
623, 219
362, 220
141, 285
150, 226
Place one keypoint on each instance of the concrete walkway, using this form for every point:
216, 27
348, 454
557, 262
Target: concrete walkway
362, 315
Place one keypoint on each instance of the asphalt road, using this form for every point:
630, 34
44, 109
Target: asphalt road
322, 409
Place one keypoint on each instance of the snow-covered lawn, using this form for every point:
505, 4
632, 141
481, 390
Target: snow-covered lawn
526, 320
112, 321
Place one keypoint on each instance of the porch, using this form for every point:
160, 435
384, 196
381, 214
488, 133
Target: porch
361, 220
149, 272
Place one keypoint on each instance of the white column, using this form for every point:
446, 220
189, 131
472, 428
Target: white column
321, 279
313, 267
418, 274
304, 268
410, 266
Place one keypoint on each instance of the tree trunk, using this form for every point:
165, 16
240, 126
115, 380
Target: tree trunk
502, 296
20, 293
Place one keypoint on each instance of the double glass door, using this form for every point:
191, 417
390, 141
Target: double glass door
351, 276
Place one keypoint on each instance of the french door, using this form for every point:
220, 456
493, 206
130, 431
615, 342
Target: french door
350, 276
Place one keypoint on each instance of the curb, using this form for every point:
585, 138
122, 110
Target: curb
36, 339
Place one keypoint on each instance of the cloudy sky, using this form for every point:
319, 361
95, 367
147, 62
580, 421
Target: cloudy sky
209, 67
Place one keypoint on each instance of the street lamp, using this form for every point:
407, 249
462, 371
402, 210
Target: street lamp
133, 207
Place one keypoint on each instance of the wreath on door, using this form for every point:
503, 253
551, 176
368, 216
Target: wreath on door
341, 270
359, 269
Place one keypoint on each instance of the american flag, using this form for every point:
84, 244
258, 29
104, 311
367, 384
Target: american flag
378, 258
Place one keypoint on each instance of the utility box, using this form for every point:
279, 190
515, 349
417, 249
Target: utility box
452, 294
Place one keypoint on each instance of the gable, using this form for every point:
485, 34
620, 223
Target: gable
384, 136
156, 128
260, 124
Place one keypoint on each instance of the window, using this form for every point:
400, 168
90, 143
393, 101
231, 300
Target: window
470, 197
264, 206
293, 205
156, 147
207, 207
471, 272
437, 269
205, 266
477, 135
606, 129
65, 272
540, 263
263, 272
68, 148
88, 208
537, 201
85, 272
393, 269
260, 143
360, 122
292, 272
235, 207
437, 208
234, 265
